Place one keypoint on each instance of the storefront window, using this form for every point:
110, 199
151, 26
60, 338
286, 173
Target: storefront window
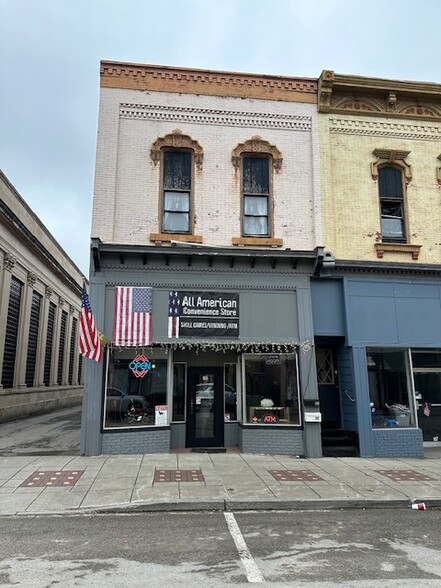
179, 379
230, 392
427, 384
389, 388
132, 401
271, 389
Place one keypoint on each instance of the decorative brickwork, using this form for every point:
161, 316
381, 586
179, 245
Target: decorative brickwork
206, 82
210, 116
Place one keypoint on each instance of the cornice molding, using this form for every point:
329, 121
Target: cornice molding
369, 127
233, 118
213, 83
357, 95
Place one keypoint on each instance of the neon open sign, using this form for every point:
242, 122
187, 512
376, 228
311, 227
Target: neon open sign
140, 366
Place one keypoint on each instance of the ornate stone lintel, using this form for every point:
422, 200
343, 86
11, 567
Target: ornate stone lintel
176, 140
257, 145
9, 262
391, 156
326, 83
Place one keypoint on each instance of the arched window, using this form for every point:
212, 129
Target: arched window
178, 155
255, 160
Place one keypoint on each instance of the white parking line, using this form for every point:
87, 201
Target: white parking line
252, 571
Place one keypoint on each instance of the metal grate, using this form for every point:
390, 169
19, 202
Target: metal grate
59, 478
295, 476
178, 476
404, 475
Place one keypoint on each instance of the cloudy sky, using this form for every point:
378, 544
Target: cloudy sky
49, 71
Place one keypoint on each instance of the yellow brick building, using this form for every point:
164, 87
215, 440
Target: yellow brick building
367, 123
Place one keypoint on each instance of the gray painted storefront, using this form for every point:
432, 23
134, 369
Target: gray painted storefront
354, 313
275, 309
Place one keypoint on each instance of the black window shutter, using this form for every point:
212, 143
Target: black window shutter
62, 347
34, 325
49, 343
73, 340
12, 325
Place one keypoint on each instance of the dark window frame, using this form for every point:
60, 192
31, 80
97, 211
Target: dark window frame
251, 196
392, 199
166, 188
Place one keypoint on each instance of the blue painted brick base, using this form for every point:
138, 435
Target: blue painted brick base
136, 442
398, 443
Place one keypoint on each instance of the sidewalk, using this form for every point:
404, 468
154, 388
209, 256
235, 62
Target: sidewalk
212, 481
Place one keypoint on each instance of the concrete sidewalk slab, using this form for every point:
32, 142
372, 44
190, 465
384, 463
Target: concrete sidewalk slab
231, 481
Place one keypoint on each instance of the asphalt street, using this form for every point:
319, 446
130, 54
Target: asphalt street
320, 549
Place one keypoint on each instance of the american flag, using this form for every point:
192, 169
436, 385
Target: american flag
133, 316
89, 340
174, 311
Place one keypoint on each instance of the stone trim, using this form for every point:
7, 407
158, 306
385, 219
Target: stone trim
169, 237
137, 76
382, 248
9, 262
257, 242
234, 118
176, 140
257, 145
438, 171
392, 157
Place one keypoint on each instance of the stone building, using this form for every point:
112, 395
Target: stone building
377, 307
40, 297
207, 192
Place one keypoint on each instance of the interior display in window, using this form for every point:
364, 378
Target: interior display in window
131, 401
271, 389
179, 391
389, 388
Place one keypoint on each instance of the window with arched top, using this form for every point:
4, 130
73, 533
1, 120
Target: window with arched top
178, 155
256, 160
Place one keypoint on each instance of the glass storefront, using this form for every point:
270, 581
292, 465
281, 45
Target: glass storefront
427, 381
271, 389
390, 388
136, 391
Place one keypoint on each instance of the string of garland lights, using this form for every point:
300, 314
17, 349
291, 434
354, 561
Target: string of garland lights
243, 347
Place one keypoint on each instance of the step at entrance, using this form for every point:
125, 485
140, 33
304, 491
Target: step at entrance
338, 443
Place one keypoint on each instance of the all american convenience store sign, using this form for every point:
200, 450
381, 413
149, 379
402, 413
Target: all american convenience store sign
203, 315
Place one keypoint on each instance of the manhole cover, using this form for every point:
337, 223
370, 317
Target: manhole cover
295, 475
178, 476
404, 475
58, 478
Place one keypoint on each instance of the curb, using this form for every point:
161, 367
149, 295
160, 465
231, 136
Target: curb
234, 505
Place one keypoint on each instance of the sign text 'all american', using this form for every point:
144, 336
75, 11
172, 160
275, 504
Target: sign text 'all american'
198, 305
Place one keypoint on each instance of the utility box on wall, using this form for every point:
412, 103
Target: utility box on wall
313, 417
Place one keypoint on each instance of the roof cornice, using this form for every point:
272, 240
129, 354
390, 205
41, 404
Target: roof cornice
356, 95
159, 78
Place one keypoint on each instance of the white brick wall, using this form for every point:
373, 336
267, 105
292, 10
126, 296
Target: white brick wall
127, 195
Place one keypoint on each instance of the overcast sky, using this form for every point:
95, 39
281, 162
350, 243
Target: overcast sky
49, 70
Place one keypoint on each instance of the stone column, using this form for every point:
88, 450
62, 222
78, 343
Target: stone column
8, 263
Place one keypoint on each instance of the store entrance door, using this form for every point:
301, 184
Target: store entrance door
428, 390
205, 407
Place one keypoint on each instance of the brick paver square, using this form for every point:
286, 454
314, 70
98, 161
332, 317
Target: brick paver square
295, 475
178, 476
60, 478
404, 475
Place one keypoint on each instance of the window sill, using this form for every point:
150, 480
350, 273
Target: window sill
257, 242
159, 238
383, 248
